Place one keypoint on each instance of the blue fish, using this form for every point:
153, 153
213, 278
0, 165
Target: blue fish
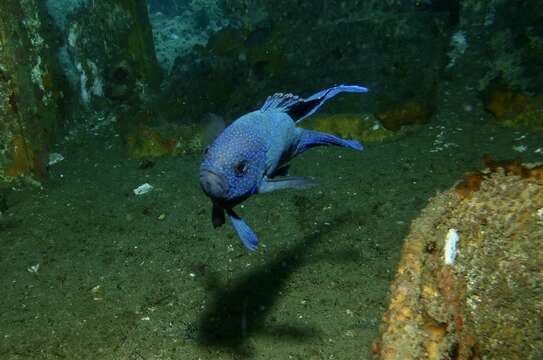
251, 155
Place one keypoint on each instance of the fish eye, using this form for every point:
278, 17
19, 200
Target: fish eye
241, 168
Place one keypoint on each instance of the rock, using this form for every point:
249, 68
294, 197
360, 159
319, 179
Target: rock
514, 108
407, 113
29, 94
362, 127
488, 303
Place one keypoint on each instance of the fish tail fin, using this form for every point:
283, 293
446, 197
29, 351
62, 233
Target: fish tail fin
298, 108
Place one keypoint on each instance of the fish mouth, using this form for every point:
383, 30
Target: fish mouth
214, 185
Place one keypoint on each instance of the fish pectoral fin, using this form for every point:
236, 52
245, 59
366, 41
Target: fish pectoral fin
245, 233
217, 215
312, 138
288, 182
282, 171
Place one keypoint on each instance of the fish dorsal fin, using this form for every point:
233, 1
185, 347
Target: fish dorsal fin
298, 108
280, 102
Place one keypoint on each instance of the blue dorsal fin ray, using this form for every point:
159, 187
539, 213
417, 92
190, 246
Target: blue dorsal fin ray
298, 108
280, 102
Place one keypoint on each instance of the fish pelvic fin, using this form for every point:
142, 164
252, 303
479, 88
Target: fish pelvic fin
298, 108
245, 233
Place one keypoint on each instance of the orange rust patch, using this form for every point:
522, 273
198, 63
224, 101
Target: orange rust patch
510, 167
536, 173
410, 112
22, 158
147, 142
503, 103
471, 183
472, 180
435, 343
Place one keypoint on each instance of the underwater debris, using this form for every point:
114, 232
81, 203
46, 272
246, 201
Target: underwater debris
451, 247
520, 148
54, 158
488, 306
33, 269
143, 189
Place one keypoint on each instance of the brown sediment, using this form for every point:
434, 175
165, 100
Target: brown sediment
472, 180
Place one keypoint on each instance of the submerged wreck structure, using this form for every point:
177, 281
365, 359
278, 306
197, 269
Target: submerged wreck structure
470, 281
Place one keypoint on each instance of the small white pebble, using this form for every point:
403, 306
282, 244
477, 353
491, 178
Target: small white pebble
55, 158
520, 148
143, 189
33, 269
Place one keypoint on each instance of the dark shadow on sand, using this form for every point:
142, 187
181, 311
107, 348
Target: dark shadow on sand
240, 309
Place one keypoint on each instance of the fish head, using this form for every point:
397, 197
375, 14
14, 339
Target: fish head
232, 167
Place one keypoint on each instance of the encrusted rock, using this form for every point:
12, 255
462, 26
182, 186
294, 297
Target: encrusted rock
488, 303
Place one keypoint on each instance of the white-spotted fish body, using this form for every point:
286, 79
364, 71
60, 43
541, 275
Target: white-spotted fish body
251, 155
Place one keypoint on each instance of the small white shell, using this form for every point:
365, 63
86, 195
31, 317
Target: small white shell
520, 148
143, 189
55, 158
450, 249
33, 269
